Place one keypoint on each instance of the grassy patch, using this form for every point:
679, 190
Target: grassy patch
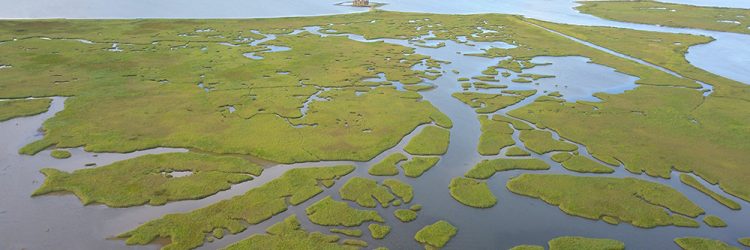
692, 182
515, 122
667, 118
561, 157
487, 103
569, 242
486, 168
521, 80
378, 231
60, 154
472, 193
187, 230
416, 207
495, 136
10, 109
536, 76
436, 235
387, 167
697, 243
527, 247
516, 151
541, 142
365, 192
581, 164
641, 203
430, 141
405, 215
418, 165
148, 179
328, 212
288, 234
354, 243
400, 189
670, 14
347, 232
148, 99
744, 241
484, 85
714, 221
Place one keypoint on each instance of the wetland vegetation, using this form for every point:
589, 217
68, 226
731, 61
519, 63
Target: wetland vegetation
671, 14
10, 109
641, 203
298, 90
150, 179
436, 235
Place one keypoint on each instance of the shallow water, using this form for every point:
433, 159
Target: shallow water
61, 222
727, 56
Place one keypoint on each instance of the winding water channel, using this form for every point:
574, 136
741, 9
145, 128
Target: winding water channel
61, 222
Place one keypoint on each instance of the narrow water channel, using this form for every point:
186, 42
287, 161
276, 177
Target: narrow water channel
62, 222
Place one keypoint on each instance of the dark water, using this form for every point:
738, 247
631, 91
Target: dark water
61, 222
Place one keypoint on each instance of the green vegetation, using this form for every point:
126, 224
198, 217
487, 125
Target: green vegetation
641, 203
148, 179
696, 243
516, 151
569, 242
187, 230
436, 235
60, 154
561, 157
365, 191
387, 167
144, 99
472, 193
420, 87
527, 247
328, 212
484, 85
10, 109
487, 103
541, 142
418, 165
579, 163
714, 221
288, 234
490, 71
694, 183
347, 232
430, 141
486, 168
416, 207
667, 117
536, 76
495, 136
515, 122
378, 231
406, 215
400, 189
486, 78
355, 243
515, 65
669, 14
744, 241
521, 80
